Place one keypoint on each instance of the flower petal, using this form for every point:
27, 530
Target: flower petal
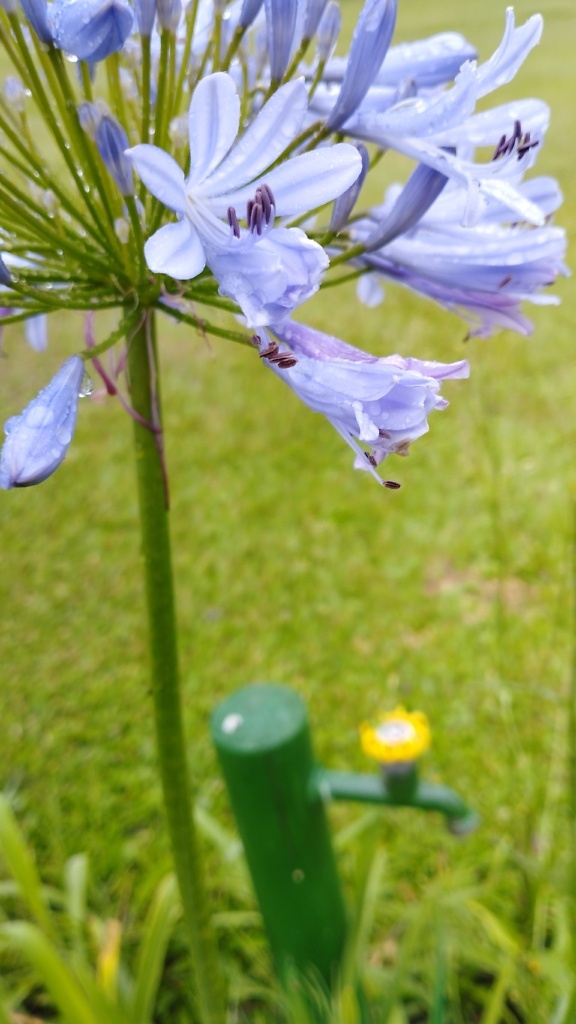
272, 130
213, 121
38, 438
161, 175
305, 181
175, 250
511, 54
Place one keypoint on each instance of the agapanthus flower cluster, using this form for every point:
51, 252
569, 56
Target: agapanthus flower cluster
209, 158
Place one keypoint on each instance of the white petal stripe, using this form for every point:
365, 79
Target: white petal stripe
304, 182
213, 122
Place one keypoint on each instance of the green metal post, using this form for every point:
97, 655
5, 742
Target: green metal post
262, 737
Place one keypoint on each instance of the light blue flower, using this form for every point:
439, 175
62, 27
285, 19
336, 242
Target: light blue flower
438, 127
378, 405
281, 18
36, 12
38, 438
370, 43
91, 29
483, 271
225, 174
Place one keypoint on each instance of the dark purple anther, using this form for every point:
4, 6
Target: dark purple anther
525, 144
256, 217
265, 196
233, 222
506, 145
391, 484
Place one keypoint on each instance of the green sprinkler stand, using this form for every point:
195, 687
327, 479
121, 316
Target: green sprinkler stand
278, 794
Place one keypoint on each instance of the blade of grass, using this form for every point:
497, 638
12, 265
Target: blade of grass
157, 929
53, 972
21, 864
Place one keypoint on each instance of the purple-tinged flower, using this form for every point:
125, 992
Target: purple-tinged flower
345, 203
314, 11
15, 94
280, 28
91, 29
112, 143
268, 276
169, 14
36, 332
370, 43
483, 271
378, 405
437, 126
225, 173
145, 15
328, 31
38, 438
89, 116
36, 12
5, 275
248, 12
422, 189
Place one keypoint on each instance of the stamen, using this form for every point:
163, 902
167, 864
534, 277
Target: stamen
392, 485
506, 145
371, 459
260, 210
256, 218
526, 144
233, 222
284, 360
256, 340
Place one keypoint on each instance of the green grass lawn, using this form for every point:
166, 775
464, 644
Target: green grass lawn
452, 595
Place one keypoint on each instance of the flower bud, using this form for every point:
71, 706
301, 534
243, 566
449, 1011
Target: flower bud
328, 31
145, 14
36, 12
89, 116
169, 13
112, 141
91, 29
15, 94
39, 437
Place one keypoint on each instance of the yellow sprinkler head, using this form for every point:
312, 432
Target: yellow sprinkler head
399, 737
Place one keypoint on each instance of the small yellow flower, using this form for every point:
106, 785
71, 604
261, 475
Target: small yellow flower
398, 736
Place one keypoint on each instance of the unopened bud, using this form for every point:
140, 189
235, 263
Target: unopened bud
328, 31
122, 229
15, 93
178, 131
112, 141
50, 202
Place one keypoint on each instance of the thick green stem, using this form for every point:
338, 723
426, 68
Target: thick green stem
176, 788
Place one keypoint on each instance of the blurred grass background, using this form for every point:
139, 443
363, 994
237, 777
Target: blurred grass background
452, 595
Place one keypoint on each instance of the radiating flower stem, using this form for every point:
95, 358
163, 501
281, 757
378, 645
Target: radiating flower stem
171, 751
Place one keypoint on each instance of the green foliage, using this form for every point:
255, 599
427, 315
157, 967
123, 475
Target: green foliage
83, 988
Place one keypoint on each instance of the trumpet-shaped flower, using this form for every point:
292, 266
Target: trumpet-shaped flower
91, 29
225, 173
484, 271
378, 405
38, 438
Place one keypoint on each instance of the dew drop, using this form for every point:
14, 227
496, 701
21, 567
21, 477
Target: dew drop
86, 387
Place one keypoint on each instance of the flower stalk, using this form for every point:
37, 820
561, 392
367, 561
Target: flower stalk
171, 751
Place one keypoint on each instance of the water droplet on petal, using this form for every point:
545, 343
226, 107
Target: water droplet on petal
86, 387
